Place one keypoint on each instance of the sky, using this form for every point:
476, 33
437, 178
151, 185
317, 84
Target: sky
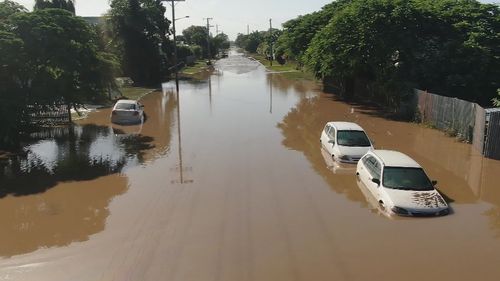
228, 16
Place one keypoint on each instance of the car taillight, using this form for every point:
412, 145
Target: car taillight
136, 113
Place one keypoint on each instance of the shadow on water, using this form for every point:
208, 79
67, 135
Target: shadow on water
73, 153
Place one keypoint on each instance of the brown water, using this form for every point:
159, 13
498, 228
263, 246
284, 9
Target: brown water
231, 184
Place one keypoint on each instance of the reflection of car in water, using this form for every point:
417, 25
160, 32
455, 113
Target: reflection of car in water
127, 112
346, 142
399, 184
126, 130
336, 167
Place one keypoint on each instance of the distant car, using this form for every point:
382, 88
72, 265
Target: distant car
346, 142
400, 185
127, 112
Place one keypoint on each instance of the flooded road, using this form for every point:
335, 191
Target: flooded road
228, 182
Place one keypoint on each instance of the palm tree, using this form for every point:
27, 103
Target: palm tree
68, 5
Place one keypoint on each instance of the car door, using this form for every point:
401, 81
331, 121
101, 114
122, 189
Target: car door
325, 139
329, 139
332, 136
373, 171
363, 172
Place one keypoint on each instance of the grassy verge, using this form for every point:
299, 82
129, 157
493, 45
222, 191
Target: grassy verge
134, 93
290, 69
199, 66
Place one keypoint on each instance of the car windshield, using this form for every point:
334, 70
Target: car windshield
406, 178
352, 138
125, 106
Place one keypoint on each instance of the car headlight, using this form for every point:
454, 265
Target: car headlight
400, 211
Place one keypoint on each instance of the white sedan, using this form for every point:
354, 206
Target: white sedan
345, 141
400, 185
127, 112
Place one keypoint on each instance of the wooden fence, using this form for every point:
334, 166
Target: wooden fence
466, 120
50, 114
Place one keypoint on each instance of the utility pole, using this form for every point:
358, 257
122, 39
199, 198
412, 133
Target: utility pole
271, 41
208, 40
172, 3
248, 29
216, 29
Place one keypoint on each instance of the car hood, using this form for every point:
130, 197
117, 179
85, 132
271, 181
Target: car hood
416, 200
354, 150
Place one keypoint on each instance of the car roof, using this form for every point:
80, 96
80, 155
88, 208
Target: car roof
393, 158
126, 101
350, 126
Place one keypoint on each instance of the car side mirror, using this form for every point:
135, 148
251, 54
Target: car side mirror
434, 183
377, 181
331, 141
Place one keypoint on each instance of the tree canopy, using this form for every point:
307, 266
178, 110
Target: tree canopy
68, 5
141, 30
380, 49
47, 57
198, 36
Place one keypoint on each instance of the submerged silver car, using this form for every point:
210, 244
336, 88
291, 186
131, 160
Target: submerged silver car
127, 112
400, 185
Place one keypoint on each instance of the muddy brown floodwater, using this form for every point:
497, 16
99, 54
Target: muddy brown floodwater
228, 182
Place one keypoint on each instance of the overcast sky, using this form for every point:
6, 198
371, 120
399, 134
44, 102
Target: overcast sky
231, 16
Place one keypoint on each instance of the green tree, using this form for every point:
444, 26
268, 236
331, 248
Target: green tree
496, 101
298, 32
197, 35
220, 43
241, 40
381, 48
8, 8
48, 57
141, 28
68, 5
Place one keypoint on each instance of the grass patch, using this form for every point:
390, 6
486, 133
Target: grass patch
134, 93
200, 65
290, 69
299, 75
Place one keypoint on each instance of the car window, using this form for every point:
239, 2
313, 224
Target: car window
126, 106
373, 166
406, 178
352, 138
377, 169
331, 133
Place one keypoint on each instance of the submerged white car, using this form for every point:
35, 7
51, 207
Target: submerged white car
400, 185
346, 142
127, 112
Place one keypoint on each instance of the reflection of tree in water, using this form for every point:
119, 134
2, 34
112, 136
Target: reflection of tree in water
284, 84
81, 154
301, 128
83, 162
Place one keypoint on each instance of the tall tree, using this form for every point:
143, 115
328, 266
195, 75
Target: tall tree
48, 56
68, 5
141, 29
381, 48
197, 35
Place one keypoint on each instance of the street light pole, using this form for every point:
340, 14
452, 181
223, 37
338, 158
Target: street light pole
172, 3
